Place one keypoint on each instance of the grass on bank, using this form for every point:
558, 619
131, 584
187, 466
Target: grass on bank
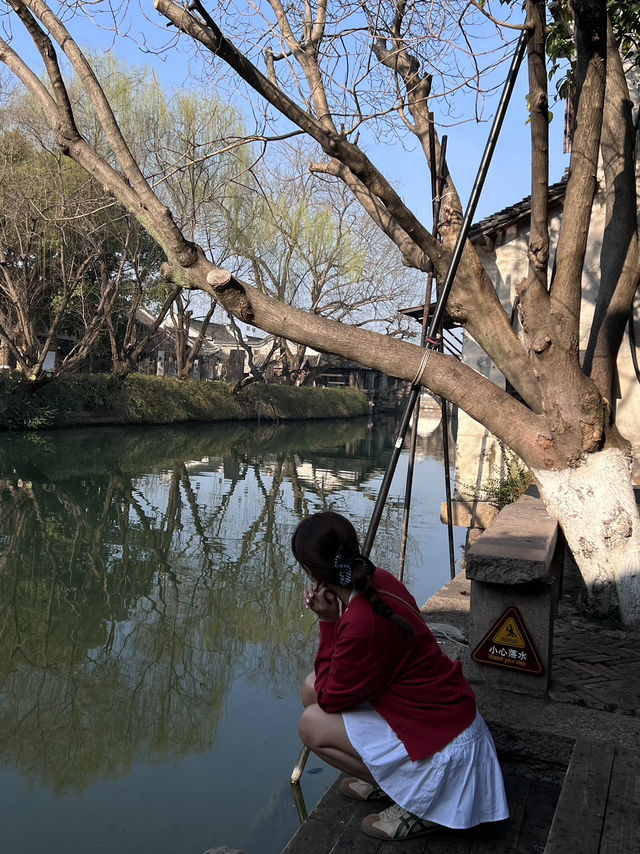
142, 399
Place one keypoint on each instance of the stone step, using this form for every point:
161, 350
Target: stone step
334, 826
598, 811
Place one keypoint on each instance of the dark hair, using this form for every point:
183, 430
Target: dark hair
326, 544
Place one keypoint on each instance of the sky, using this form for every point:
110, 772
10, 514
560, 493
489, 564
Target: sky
507, 182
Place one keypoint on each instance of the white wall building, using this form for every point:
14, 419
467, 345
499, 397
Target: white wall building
502, 241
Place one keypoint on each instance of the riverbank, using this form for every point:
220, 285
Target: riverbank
140, 399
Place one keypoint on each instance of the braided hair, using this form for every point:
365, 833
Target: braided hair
326, 544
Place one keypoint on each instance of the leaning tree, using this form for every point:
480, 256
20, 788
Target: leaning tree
329, 70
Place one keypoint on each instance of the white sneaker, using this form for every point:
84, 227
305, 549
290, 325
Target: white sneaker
396, 823
360, 790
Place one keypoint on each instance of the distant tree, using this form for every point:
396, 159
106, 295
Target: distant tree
64, 253
194, 147
76, 264
307, 242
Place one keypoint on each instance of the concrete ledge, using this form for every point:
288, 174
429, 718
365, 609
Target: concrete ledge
535, 605
450, 606
469, 514
515, 564
518, 547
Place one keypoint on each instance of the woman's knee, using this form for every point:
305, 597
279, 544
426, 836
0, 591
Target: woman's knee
318, 729
306, 728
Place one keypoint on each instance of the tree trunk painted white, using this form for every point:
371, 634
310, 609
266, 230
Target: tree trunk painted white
595, 505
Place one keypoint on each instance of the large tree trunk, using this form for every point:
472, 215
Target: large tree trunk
595, 504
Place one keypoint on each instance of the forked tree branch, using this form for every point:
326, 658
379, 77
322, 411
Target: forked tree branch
194, 351
306, 53
400, 62
566, 294
7, 340
619, 258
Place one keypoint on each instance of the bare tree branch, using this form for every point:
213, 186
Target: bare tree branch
411, 253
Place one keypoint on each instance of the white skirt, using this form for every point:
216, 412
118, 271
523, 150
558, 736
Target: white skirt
458, 787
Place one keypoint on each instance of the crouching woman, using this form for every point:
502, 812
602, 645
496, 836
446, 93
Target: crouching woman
385, 705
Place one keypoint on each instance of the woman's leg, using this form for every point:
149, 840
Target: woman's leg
326, 735
308, 690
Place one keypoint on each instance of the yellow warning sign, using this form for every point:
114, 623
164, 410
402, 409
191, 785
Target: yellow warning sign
507, 644
508, 633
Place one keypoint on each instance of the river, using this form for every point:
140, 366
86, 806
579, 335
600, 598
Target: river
152, 638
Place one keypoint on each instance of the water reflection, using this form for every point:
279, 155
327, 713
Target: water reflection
147, 604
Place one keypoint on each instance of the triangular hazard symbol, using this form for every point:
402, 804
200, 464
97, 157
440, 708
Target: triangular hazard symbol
508, 633
507, 644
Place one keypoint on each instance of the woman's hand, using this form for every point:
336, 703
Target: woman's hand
323, 602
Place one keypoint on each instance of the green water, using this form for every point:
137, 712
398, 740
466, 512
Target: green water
152, 638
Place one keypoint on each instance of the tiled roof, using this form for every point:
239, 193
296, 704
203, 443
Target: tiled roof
515, 213
217, 332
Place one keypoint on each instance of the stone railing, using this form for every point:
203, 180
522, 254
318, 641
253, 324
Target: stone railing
515, 568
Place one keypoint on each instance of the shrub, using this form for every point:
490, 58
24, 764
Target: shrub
144, 399
511, 485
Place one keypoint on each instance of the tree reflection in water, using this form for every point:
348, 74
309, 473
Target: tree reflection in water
140, 568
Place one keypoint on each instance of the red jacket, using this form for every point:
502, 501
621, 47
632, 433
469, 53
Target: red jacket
410, 682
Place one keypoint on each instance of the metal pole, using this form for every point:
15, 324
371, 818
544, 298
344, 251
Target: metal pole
447, 486
390, 470
448, 283
437, 177
413, 442
479, 182
632, 344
